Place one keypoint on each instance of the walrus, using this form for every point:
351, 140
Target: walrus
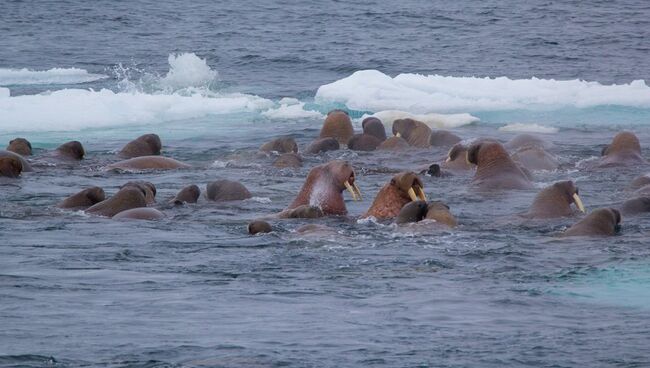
417, 211
337, 125
416, 133
625, 149
555, 201
535, 158
280, 145
363, 142
124, 199
394, 144
457, 158
527, 140
139, 213
323, 145
435, 171
303, 211
84, 198
601, 222
73, 150
400, 190
148, 189
443, 138
286, 160
495, 169
643, 191
259, 226
226, 190
441, 214
148, 163
27, 167
414, 211
20, 146
144, 145
324, 186
374, 127
640, 181
10, 167
635, 206
189, 194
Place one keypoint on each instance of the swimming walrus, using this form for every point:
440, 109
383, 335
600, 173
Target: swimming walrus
26, 166
323, 145
226, 190
73, 150
147, 188
20, 146
10, 167
601, 222
337, 125
416, 133
144, 145
84, 198
139, 213
400, 190
495, 170
420, 210
124, 199
189, 194
148, 163
555, 201
374, 127
625, 149
280, 145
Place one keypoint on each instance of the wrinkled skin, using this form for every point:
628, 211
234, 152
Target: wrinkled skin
635, 206
148, 163
259, 226
324, 188
416, 133
554, 201
144, 145
10, 167
457, 159
394, 144
337, 125
624, 150
147, 188
527, 140
125, 199
288, 160
374, 127
323, 145
71, 151
280, 145
495, 169
140, 213
443, 138
20, 146
363, 142
27, 167
394, 195
226, 190
84, 199
601, 222
535, 158
189, 194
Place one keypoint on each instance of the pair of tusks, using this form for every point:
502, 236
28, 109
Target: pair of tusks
578, 201
420, 195
354, 190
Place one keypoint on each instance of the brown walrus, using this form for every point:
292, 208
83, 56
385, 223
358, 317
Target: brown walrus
226, 190
374, 127
400, 190
601, 222
494, 167
148, 163
189, 194
10, 167
535, 158
337, 125
640, 181
625, 149
394, 144
259, 226
324, 186
139, 213
124, 199
364, 142
148, 189
27, 167
635, 206
71, 151
527, 140
84, 198
286, 160
20, 146
457, 158
144, 145
421, 210
555, 201
416, 133
280, 145
323, 145
443, 138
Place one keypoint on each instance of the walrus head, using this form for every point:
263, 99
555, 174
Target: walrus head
280, 145
259, 226
20, 146
72, 150
126, 198
421, 210
636, 206
363, 142
147, 188
324, 186
10, 167
412, 212
555, 201
226, 190
337, 125
495, 169
400, 190
625, 149
84, 199
601, 222
144, 145
189, 194
374, 127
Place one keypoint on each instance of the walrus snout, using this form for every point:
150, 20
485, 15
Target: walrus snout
410, 184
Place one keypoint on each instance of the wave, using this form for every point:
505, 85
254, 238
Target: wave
528, 128
372, 90
16, 77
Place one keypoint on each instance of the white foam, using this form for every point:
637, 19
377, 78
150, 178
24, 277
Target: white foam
14, 77
291, 108
75, 109
372, 90
433, 120
188, 70
528, 128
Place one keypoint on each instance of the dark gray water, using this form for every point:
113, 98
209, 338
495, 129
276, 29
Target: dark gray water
195, 290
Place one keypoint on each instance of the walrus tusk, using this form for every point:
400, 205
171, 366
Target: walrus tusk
448, 159
411, 193
351, 190
398, 135
578, 201
421, 193
358, 191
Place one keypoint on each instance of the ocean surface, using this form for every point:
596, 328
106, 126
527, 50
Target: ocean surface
216, 80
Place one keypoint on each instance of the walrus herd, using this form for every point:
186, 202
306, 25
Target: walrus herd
496, 167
